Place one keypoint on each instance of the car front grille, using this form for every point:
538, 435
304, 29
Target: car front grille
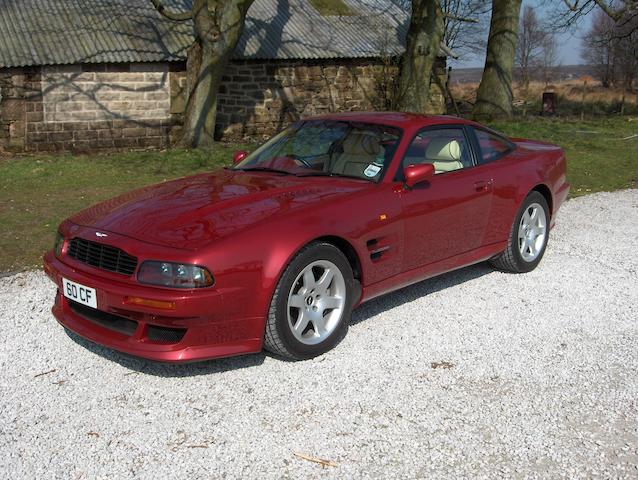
102, 256
104, 319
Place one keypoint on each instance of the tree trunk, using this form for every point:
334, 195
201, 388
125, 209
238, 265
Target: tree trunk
494, 97
422, 49
218, 27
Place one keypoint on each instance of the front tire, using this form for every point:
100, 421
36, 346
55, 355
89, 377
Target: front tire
312, 304
528, 237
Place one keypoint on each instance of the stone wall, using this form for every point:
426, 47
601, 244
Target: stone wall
86, 107
258, 98
14, 85
89, 107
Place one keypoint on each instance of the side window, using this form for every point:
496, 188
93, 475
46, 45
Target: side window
446, 148
492, 146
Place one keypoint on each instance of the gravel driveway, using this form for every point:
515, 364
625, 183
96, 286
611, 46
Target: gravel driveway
473, 374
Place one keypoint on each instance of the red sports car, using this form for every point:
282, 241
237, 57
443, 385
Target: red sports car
275, 251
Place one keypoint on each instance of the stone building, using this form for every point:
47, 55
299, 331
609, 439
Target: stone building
100, 74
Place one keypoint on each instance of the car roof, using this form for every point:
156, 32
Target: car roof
397, 119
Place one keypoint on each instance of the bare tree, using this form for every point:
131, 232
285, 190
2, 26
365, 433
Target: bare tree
494, 96
618, 10
611, 48
549, 59
531, 37
218, 25
465, 25
625, 41
598, 49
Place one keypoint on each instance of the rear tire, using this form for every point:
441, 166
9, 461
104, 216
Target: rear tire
528, 237
312, 304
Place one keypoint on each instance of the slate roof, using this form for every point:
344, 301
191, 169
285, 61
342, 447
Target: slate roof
58, 32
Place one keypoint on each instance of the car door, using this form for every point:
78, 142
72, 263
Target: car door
447, 215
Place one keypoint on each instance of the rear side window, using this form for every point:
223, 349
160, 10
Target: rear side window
492, 146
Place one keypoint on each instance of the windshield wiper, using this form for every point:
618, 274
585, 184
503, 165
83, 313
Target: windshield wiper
264, 169
329, 174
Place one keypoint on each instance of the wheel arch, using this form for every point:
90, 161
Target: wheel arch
547, 193
347, 249
345, 246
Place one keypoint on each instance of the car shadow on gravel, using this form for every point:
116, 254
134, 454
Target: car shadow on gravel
367, 310
148, 367
413, 292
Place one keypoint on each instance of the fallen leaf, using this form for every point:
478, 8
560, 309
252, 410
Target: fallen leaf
320, 461
442, 365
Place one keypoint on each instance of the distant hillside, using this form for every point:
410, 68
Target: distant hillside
563, 72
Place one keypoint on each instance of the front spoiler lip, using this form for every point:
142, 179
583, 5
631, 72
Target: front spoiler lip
154, 352
182, 352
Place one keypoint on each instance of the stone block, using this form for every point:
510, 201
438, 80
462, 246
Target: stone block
12, 109
36, 137
69, 106
134, 132
152, 142
126, 142
85, 135
80, 116
35, 116
81, 146
109, 134
158, 95
60, 136
105, 143
104, 95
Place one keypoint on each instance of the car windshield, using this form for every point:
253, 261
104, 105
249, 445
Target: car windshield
327, 148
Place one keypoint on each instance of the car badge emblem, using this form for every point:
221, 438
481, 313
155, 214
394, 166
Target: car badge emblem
100, 234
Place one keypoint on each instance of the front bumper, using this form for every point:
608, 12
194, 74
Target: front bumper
200, 329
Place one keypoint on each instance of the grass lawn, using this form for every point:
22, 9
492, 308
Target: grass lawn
38, 192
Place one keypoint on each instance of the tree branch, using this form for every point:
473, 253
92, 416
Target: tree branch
460, 19
572, 6
171, 15
615, 14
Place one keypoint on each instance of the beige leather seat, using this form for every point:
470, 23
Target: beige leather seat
444, 154
360, 149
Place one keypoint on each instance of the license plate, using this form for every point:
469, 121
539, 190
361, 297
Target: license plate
79, 293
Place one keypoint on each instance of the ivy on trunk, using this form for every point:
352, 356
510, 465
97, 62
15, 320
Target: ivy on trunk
422, 48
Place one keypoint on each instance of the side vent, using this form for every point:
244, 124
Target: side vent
376, 251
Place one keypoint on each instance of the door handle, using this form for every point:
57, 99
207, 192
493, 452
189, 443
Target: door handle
482, 185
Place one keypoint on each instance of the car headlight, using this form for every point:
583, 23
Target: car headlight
175, 275
59, 243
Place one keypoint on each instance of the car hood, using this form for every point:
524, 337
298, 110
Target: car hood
191, 212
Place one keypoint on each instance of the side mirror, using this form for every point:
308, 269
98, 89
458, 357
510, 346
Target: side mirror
238, 156
417, 173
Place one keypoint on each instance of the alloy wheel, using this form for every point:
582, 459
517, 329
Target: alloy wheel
316, 302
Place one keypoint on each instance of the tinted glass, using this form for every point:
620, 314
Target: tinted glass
446, 148
336, 148
492, 147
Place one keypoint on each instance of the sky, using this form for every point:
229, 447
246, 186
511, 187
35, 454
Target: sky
568, 42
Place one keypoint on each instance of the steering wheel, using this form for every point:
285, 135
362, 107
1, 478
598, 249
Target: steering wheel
300, 161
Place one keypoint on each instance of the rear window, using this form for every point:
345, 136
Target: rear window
492, 146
